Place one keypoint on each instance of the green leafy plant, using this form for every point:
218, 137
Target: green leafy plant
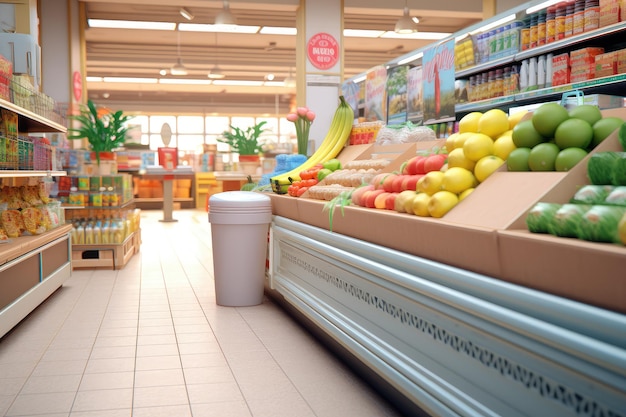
104, 132
244, 142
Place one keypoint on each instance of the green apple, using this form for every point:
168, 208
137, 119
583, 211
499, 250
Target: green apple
332, 164
321, 174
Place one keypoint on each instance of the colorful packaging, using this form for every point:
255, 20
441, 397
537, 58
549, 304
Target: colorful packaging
560, 69
609, 12
606, 64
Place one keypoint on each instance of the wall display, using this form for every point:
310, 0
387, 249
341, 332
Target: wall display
415, 95
375, 101
439, 102
323, 51
397, 97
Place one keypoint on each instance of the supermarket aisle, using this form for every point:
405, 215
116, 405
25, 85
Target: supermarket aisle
149, 340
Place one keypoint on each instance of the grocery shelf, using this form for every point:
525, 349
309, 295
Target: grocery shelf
32, 122
26, 173
484, 104
485, 66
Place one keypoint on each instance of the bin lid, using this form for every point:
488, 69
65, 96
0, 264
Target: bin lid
239, 199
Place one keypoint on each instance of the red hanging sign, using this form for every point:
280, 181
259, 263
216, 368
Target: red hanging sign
323, 51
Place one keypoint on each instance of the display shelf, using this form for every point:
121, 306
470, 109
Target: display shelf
571, 41
114, 256
485, 66
484, 104
31, 269
32, 122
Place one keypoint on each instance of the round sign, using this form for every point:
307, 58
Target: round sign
323, 51
77, 85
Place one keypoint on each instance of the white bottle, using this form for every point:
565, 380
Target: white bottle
549, 69
523, 76
541, 71
532, 73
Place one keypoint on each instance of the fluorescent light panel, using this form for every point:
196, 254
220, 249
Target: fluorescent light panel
416, 35
411, 58
238, 82
129, 80
275, 30
495, 24
357, 33
197, 27
542, 6
184, 81
130, 24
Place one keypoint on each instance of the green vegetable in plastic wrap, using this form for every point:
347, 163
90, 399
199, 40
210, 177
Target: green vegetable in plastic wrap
540, 216
600, 167
619, 169
591, 194
621, 136
617, 197
600, 224
566, 219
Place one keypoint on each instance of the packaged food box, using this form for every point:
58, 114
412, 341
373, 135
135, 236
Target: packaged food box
609, 12
606, 64
585, 52
621, 61
560, 69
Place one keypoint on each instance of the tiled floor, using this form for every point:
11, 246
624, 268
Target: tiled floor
149, 340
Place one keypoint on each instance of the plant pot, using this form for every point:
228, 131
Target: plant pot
249, 164
107, 165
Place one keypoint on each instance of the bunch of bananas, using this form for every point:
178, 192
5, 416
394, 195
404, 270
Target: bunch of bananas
332, 144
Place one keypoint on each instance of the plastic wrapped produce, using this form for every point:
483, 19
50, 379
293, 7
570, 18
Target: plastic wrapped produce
600, 224
565, 221
591, 194
540, 216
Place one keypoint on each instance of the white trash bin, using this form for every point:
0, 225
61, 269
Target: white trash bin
239, 230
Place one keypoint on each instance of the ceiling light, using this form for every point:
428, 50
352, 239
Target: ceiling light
416, 35
225, 17
178, 68
163, 72
289, 81
269, 77
275, 30
216, 73
406, 24
184, 12
130, 24
362, 33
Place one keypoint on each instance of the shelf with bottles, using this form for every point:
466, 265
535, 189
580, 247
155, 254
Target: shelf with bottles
103, 227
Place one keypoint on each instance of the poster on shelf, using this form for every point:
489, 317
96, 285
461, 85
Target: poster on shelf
375, 101
439, 101
397, 95
350, 91
415, 95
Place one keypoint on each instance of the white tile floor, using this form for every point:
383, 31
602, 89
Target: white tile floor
149, 340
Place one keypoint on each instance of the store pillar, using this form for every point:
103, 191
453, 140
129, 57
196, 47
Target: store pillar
319, 61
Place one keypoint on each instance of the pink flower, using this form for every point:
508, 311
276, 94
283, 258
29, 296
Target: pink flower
292, 117
302, 118
310, 116
302, 111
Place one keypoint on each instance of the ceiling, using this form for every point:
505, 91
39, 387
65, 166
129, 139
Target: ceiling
143, 53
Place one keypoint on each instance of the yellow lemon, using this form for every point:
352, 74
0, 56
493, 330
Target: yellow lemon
460, 140
469, 122
430, 183
503, 146
450, 141
487, 166
493, 123
420, 205
465, 193
477, 146
516, 117
442, 202
456, 158
456, 180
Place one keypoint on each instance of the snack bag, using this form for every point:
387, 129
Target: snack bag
33, 220
30, 194
12, 222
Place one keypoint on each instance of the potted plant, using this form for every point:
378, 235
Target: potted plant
104, 131
246, 143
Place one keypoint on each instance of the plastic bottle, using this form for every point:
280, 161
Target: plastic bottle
89, 234
549, 69
532, 73
541, 71
498, 83
506, 81
523, 76
514, 86
97, 233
